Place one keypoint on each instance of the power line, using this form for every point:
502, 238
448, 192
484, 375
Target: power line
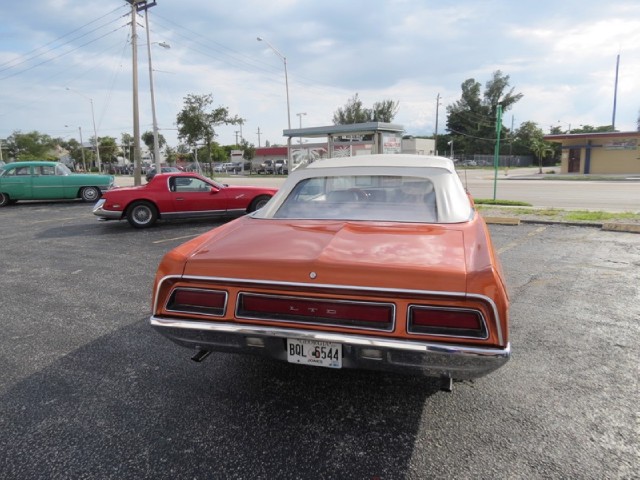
62, 54
26, 56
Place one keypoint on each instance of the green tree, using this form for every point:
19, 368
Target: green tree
75, 150
352, 112
355, 112
591, 129
197, 120
248, 149
524, 136
171, 155
126, 141
471, 120
30, 146
147, 138
540, 149
108, 150
384, 111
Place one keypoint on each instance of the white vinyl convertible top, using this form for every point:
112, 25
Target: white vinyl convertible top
309, 192
385, 160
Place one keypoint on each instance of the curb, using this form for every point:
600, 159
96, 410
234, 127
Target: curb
502, 220
622, 227
611, 227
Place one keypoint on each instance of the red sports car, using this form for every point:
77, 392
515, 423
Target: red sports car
179, 195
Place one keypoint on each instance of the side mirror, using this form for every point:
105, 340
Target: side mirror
214, 190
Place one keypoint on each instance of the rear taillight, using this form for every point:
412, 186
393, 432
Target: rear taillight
192, 300
377, 316
456, 322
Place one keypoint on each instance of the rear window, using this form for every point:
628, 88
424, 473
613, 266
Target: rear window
362, 197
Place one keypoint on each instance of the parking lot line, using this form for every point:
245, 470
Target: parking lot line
511, 245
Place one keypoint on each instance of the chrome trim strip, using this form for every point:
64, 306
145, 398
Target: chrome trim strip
391, 328
204, 214
195, 213
265, 284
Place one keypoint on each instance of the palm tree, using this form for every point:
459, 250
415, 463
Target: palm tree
540, 148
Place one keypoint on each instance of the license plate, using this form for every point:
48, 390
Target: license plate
312, 352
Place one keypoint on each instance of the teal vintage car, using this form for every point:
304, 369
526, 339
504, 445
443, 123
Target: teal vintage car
37, 180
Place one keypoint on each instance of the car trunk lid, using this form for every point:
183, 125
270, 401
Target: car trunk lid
380, 255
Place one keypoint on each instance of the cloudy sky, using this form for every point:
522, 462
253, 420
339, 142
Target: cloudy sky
55, 55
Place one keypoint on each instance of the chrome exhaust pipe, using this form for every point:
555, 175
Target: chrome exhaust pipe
446, 383
201, 355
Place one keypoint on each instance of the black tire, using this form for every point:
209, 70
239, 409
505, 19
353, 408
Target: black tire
142, 214
90, 194
258, 202
4, 200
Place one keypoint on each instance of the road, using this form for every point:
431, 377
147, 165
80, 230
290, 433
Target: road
608, 196
88, 390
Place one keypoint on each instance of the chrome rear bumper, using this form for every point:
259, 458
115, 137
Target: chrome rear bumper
105, 214
459, 362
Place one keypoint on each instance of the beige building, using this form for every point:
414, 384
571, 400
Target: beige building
599, 153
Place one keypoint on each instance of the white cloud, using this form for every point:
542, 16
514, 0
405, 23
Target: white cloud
561, 56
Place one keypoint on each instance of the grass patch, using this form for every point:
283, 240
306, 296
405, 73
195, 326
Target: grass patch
587, 216
556, 214
587, 178
487, 201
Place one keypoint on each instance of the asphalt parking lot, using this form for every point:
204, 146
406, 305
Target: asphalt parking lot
88, 390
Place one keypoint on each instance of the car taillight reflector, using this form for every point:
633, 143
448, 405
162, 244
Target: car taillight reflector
446, 321
378, 316
191, 300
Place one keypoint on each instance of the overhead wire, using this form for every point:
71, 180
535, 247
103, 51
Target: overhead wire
26, 56
61, 55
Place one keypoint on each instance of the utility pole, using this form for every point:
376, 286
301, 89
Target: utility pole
237, 132
137, 180
506, 171
615, 95
435, 136
497, 149
258, 132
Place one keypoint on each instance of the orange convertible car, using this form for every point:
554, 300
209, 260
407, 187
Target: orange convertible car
377, 262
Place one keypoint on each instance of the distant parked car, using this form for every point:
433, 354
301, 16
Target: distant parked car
152, 171
281, 167
238, 167
180, 195
267, 167
38, 180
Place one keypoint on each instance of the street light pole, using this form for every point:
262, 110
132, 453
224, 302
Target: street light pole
95, 131
84, 164
156, 143
286, 82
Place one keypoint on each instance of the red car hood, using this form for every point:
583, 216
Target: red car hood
386, 255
